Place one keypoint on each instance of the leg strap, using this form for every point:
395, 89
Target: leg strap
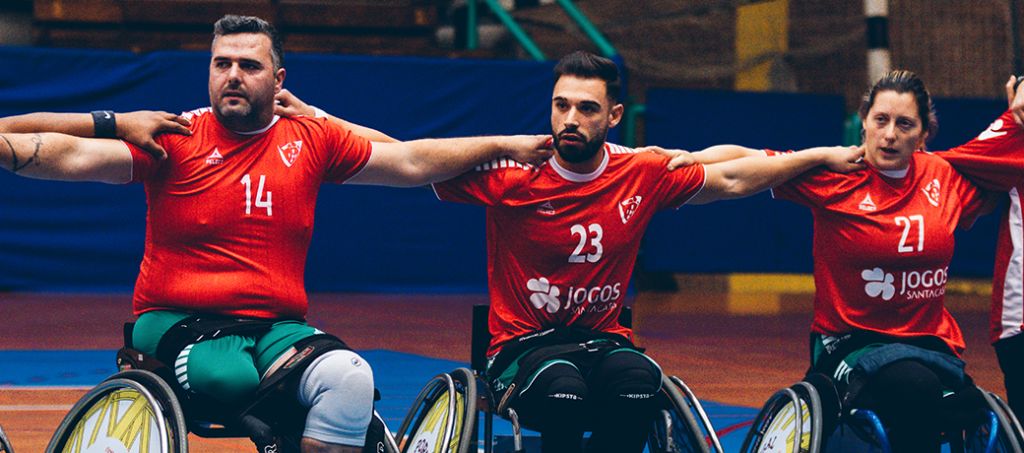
204, 327
275, 399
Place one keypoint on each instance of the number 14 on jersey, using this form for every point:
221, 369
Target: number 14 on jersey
262, 198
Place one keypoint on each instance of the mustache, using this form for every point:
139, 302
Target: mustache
574, 132
235, 92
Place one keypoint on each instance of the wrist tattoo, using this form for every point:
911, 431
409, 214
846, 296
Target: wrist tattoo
34, 159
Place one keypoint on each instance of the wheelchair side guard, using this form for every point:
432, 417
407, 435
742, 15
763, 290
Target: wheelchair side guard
137, 406
443, 416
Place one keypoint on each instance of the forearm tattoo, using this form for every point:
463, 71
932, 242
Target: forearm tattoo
16, 166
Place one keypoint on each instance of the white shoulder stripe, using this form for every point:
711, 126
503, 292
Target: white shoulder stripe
189, 115
619, 149
502, 162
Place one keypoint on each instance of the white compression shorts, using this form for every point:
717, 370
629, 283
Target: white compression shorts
338, 390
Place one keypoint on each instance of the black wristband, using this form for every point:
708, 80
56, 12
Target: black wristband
104, 124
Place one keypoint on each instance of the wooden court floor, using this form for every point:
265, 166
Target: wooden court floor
732, 359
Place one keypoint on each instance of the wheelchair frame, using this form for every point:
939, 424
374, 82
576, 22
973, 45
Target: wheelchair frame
148, 395
477, 397
804, 403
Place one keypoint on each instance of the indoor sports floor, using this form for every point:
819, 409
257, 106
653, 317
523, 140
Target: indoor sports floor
54, 347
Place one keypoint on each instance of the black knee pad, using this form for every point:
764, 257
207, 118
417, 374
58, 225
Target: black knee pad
557, 395
559, 380
626, 376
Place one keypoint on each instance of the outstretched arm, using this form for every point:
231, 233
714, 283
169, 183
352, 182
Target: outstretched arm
420, 162
290, 105
711, 155
749, 175
64, 157
138, 128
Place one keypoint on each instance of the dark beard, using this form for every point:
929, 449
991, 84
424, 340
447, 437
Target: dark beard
576, 155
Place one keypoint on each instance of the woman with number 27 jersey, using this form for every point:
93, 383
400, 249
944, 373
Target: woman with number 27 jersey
883, 241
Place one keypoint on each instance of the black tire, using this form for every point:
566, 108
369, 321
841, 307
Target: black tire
675, 429
138, 397
436, 419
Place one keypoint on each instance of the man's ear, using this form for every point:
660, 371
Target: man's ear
278, 80
615, 115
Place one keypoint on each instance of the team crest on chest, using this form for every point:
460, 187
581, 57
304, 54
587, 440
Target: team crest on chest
628, 207
290, 151
931, 191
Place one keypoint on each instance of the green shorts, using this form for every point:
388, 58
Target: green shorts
227, 368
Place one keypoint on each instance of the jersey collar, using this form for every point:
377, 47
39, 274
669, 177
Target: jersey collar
260, 131
895, 174
581, 177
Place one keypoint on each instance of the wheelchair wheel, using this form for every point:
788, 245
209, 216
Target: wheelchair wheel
790, 422
676, 430
1010, 435
133, 411
5, 443
443, 417
390, 446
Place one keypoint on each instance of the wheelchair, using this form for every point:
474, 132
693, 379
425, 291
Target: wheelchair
5, 443
445, 416
794, 419
142, 409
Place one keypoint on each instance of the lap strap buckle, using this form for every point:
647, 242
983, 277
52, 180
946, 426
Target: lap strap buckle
592, 345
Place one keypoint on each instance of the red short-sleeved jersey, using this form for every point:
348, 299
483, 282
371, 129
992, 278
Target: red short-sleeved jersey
560, 245
231, 216
882, 247
995, 160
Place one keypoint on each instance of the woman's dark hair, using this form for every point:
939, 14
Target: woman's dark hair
904, 82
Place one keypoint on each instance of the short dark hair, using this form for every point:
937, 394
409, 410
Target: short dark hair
586, 65
901, 81
232, 24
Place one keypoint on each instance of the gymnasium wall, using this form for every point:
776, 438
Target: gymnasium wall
58, 236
